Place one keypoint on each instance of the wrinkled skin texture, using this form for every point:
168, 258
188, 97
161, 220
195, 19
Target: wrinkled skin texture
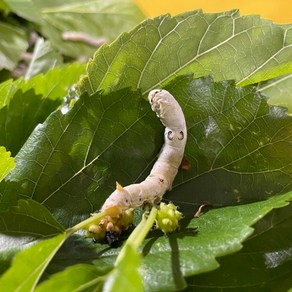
161, 177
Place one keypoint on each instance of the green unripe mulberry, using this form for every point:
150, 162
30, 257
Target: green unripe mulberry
167, 217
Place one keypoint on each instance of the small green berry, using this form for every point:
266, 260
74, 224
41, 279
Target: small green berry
167, 217
171, 213
166, 221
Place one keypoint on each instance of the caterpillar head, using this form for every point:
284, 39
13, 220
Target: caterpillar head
157, 94
160, 100
152, 94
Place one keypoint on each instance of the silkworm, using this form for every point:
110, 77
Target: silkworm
163, 173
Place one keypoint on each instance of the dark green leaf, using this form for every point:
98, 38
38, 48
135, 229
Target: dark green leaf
126, 275
225, 45
29, 218
28, 265
238, 148
12, 43
78, 250
7, 162
18, 120
21, 226
66, 163
264, 263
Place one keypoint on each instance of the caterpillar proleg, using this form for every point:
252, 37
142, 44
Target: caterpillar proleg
161, 177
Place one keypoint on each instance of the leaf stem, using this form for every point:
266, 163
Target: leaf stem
94, 217
140, 232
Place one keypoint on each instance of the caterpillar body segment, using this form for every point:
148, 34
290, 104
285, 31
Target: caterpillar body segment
162, 175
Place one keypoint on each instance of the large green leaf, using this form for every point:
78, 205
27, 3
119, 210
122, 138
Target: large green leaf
167, 260
235, 144
96, 18
238, 148
4, 7
12, 43
7, 162
69, 157
225, 45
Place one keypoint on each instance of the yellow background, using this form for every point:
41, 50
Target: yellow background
278, 10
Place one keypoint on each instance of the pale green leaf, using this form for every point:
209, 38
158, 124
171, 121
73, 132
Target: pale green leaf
4, 7
279, 91
264, 263
125, 275
75, 278
6, 162
28, 265
224, 45
195, 249
53, 85
95, 18
13, 42
44, 58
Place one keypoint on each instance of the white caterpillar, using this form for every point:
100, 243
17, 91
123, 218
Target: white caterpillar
166, 167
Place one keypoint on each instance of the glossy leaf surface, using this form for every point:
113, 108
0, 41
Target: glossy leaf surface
225, 45
237, 147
